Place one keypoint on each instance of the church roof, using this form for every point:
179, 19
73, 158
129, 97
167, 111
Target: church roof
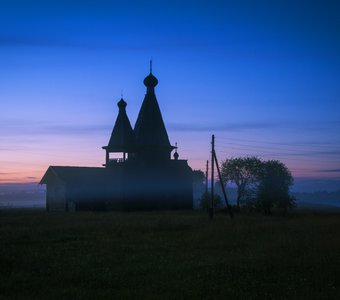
122, 137
150, 131
99, 175
69, 174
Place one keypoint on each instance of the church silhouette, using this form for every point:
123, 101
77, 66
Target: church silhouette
145, 178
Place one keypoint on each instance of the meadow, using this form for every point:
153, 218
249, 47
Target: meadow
168, 255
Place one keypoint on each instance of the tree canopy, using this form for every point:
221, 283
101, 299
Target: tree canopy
244, 172
273, 189
260, 184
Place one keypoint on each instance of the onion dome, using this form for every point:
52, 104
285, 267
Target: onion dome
150, 81
121, 104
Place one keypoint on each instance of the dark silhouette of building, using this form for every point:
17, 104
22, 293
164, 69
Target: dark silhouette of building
144, 178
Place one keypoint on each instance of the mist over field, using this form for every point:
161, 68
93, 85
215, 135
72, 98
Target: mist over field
22, 195
307, 192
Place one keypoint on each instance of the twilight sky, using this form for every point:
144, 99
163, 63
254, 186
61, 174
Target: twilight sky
263, 76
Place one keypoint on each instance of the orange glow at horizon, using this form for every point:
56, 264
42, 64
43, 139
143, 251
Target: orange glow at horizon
31, 168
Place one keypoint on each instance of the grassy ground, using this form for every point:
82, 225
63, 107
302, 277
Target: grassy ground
168, 255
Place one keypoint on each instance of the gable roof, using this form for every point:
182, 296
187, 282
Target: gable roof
74, 174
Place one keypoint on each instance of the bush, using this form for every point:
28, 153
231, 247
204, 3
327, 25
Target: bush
274, 186
205, 201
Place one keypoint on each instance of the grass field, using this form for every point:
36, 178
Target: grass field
168, 255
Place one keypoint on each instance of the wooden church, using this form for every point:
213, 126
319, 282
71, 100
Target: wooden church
145, 178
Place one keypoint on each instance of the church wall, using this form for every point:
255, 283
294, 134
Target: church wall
166, 187
129, 187
56, 196
85, 196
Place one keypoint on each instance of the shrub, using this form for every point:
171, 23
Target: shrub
205, 201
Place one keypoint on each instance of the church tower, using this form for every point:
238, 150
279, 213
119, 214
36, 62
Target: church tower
122, 138
152, 141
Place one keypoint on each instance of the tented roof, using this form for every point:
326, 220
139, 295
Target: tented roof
122, 136
150, 131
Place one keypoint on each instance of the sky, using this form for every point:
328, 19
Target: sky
263, 76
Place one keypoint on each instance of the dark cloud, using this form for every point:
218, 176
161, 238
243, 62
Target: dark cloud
220, 127
41, 41
329, 171
8, 173
7, 179
64, 129
89, 44
235, 126
16, 127
26, 41
314, 153
315, 184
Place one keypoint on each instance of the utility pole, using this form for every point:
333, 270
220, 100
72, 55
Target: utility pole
222, 186
206, 177
211, 210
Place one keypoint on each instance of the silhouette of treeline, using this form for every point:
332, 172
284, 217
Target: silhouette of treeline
319, 197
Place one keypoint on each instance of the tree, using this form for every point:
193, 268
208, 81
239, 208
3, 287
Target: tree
198, 180
244, 172
273, 188
198, 186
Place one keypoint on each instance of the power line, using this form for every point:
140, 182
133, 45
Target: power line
276, 143
286, 147
288, 155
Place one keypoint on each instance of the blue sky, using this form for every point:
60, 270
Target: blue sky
263, 76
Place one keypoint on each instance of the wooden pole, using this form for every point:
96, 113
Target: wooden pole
222, 186
211, 210
206, 177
